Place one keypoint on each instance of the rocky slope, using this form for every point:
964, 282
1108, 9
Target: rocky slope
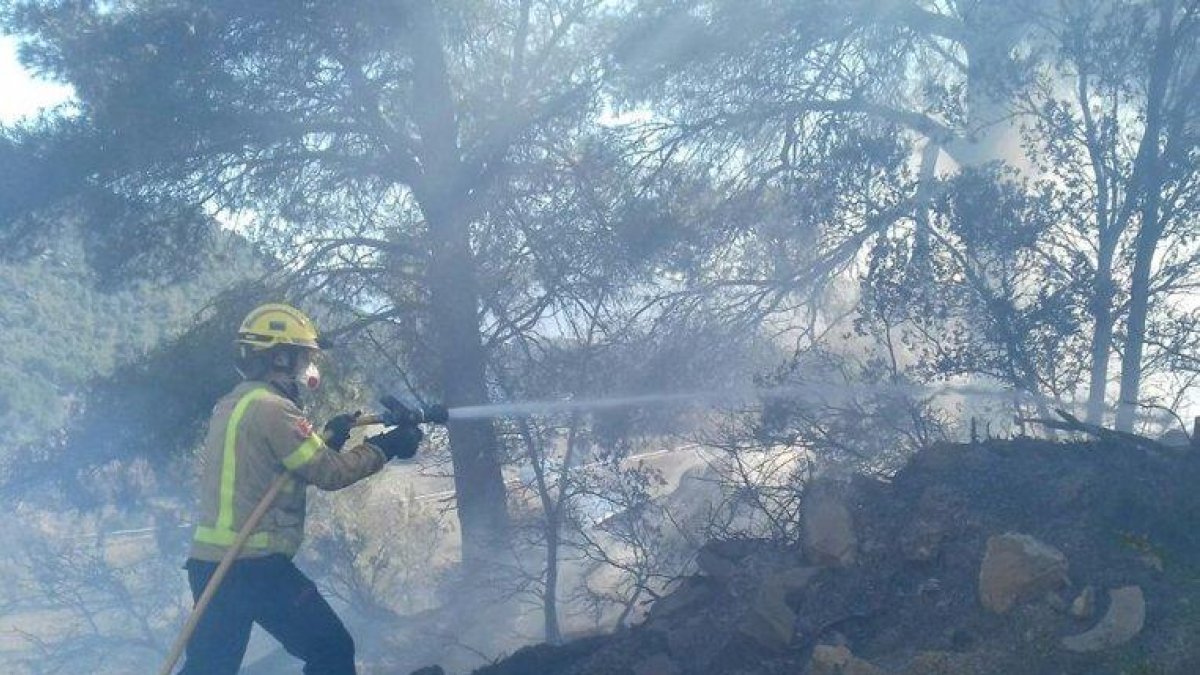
1002, 557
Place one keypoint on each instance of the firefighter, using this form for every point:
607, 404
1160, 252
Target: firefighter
257, 432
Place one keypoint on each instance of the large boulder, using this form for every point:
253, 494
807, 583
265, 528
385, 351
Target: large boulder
723, 559
769, 621
829, 536
1121, 623
710, 624
691, 594
1017, 568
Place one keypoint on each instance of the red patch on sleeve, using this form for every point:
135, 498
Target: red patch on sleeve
304, 428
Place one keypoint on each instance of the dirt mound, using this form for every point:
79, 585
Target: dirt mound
1001, 557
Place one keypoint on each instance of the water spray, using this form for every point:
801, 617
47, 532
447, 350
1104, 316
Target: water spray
736, 398
531, 408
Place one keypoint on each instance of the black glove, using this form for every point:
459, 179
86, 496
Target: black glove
399, 443
437, 413
337, 429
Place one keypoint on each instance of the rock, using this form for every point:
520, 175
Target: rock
691, 593
715, 566
829, 537
706, 624
1121, 623
429, 670
1085, 604
721, 559
770, 622
828, 659
831, 660
939, 517
659, 664
792, 579
1016, 568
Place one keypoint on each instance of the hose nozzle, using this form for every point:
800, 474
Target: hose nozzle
400, 414
397, 414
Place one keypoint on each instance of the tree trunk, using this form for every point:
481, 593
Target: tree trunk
454, 296
1139, 305
550, 595
1102, 332
1109, 227
555, 510
478, 482
1150, 232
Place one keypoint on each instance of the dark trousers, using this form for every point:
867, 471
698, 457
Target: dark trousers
272, 592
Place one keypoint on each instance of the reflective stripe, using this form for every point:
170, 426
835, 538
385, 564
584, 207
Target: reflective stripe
223, 534
229, 460
209, 535
303, 454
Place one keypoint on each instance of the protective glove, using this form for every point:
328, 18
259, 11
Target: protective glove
337, 429
399, 443
437, 413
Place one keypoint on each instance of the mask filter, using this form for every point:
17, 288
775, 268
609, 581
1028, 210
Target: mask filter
309, 378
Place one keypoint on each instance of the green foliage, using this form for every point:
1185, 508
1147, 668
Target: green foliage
59, 332
973, 291
74, 355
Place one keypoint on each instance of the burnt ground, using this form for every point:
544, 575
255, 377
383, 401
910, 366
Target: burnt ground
1121, 515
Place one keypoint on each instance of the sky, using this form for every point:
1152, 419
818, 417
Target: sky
20, 94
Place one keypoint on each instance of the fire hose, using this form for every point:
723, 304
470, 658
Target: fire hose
396, 414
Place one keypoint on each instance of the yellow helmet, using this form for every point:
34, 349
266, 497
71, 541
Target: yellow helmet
276, 324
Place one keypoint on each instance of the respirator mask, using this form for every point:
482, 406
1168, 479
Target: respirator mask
305, 374
309, 377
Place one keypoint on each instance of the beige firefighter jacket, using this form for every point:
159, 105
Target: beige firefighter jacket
254, 435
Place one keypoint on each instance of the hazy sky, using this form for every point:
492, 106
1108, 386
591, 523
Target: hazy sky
21, 94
